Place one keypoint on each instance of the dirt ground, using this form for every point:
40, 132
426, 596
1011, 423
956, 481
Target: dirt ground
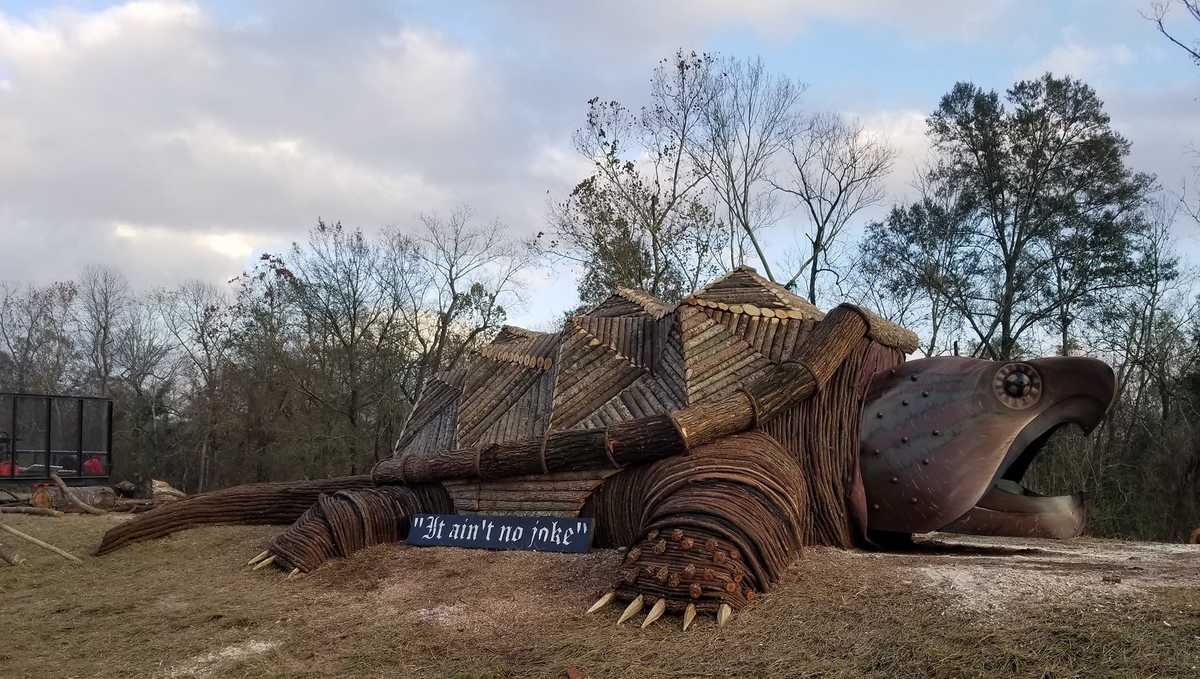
186, 607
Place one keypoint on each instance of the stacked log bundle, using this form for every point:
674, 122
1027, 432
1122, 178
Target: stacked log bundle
344, 522
259, 503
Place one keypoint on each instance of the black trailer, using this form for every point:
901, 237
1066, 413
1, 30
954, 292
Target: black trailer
44, 433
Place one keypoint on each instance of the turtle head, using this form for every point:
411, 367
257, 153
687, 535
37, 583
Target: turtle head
946, 442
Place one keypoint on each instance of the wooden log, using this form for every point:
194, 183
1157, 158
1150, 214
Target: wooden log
72, 499
44, 545
644, 440
35, 511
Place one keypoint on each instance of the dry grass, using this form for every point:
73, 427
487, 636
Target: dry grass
185, 607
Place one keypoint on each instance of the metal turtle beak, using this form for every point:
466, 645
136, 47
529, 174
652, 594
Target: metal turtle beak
946, 442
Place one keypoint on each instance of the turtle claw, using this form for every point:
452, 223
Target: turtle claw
602, 602
632, 609
689, 615
655, 613
724, 614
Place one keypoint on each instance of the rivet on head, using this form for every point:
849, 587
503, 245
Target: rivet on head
925, 394
937, 432
913, 501
903, 439
879, 415
895, 479
913, 378
876, 507
878, 451
925, 461
904, 403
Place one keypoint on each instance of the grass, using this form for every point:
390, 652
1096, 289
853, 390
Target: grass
185, 606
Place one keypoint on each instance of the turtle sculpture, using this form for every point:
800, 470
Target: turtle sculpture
713, 439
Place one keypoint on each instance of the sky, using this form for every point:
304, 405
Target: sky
180, 140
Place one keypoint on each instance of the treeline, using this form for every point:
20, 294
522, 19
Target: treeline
305, 366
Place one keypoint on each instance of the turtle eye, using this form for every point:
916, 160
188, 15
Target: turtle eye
1017, 385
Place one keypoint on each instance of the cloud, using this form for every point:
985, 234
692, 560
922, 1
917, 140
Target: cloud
904, 131
1078, 59
155, 113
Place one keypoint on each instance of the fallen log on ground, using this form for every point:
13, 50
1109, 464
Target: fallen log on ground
44, 545
35, 511
72, 499
255, 504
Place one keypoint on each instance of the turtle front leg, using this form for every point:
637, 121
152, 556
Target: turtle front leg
717, 527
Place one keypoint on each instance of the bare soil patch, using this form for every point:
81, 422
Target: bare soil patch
186, 607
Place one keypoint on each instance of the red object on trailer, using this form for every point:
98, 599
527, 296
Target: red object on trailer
9, 468
93, 466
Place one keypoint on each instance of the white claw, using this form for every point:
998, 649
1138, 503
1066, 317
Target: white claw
265, 562
632, 609
261, 555
602, 602
689, 615
293, 574
724, 613
655, 613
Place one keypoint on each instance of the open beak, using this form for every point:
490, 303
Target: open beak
1083, 392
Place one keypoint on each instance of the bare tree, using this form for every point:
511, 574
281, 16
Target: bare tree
837, 170
917, 256
1158, 14
34, 336
103, 297
143, 357
751, 116
196, 316
640, 220
345, 317
452, 282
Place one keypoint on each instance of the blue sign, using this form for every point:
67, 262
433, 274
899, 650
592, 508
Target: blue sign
532, 533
